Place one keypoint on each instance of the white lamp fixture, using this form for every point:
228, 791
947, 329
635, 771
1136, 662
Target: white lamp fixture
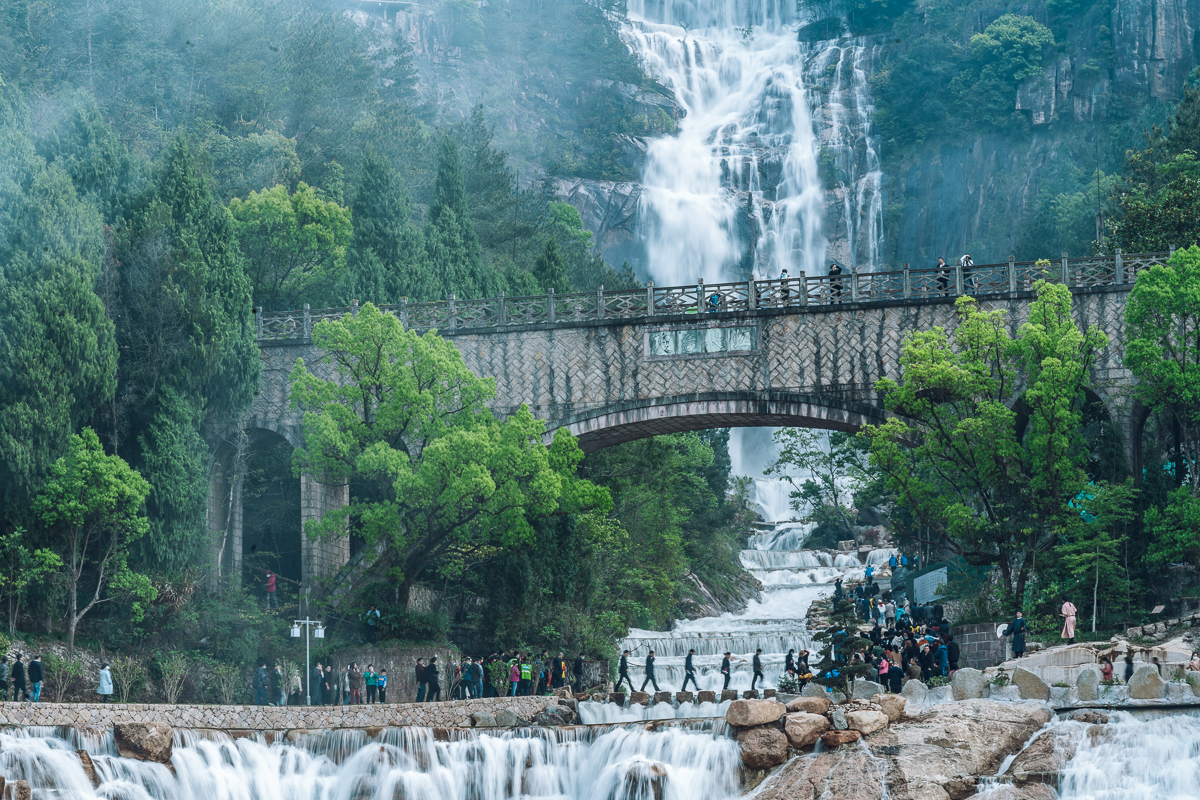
295, 631
319, 633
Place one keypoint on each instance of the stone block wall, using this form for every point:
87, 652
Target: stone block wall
979, 646
101, 717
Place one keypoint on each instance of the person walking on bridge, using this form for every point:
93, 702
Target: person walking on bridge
689, 672
623, 672
835, 282
758, 673
650, 673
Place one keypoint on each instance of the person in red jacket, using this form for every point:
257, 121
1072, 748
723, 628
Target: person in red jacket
271, 588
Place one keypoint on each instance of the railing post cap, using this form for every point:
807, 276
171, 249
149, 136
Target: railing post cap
306, 306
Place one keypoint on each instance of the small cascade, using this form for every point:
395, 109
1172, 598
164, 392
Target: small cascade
792, 579
1130, 759
696, 761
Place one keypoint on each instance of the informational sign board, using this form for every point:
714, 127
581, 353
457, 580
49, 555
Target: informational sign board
928, 585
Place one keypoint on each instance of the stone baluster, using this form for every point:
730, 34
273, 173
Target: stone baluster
958, 279
1012, 272
354, 308
751, 299
803, 288
1119, 272
1066, 270
404, 313
907, 282
600, 302
700, 296
854, 285
650, 299
307, 322
550, 306
453, 313
500, 318
258, 321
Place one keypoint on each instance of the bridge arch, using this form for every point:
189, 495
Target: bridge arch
613, 424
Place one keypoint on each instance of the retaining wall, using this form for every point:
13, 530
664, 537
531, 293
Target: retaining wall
978, 645
96, 716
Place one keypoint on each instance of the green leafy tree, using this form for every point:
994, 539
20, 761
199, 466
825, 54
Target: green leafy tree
431, 471
21, 568
1162, 348
986, 491
295, 245
91, 510
1091, 543
837, 465
1009, 50
1174, 530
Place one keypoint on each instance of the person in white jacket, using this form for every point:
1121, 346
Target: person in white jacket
105, 689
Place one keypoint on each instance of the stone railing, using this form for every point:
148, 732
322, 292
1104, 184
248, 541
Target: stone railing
456, 316
97, 716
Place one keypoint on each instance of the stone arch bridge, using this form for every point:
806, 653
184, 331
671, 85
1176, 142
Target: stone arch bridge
615, 366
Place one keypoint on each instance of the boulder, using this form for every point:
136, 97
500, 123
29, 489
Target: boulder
21, 791
617, 697
1087, 685
862, 690
811, 705
815, 690
728, 694
750, 694
639, 699
642, 776
145, 741
1147, 684
749, 713
506, 718
662, 697
554, 717
763, 747
866, 721
768, 694
482, 719
915, 692
683, 697
565, 692
1030, 686
837, 718
706, 697
1193, 680
599, 697
803, 729
890, 704
1090, 716
968, 684
582, 697
89, 769
839, 738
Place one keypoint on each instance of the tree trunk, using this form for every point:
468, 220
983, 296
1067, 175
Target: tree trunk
1096, 587
404, 590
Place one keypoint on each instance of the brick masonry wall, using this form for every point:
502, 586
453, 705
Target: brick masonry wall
979, 645
101, 717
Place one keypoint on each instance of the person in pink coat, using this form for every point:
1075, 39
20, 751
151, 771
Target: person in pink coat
1068, 615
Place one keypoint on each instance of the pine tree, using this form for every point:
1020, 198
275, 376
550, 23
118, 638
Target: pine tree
386, 257
549, 269
840, 642
455, 257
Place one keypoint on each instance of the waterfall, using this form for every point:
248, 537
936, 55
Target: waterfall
670, 764
773, 165
1129, 759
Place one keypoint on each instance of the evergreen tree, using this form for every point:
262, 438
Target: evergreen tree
100, 166
386, 257
840, 643
455, 257
549, 269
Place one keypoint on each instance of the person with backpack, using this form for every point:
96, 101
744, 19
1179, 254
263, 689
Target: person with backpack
381, 684
259, 683
421, 680
785, 291
35, 677
514, 677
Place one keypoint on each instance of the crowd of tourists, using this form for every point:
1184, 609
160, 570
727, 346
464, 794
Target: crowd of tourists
510, 674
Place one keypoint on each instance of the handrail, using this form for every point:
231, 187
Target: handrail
457, 316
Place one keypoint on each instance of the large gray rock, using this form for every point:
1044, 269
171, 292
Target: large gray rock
749, 713
814, 690
145, 741
1147, 684
803, 729
914, 693
1193, 680
865, 690
554, 716
1030, 686
482, 719
763, 747
506, 718
968, 684
811, 705
1087, 685
837, 716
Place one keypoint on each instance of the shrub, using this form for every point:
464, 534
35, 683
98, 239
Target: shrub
789, 685
129, 675
173, 668
62, 675
938, 680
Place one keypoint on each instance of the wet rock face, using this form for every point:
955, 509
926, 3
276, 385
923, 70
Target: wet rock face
1147, 684
145, 741
940, 755
89, 769
554, 716
762, 748
749, 713
1030, 686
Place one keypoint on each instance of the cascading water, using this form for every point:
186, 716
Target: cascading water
1130, 759
773, 165
617, 764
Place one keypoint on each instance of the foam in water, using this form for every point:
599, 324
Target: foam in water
401, 763
1128, 759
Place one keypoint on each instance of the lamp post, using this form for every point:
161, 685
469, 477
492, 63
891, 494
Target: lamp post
318, 632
